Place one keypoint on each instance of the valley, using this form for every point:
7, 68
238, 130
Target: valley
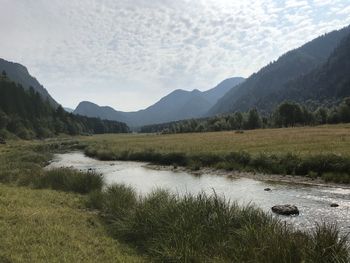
222, 168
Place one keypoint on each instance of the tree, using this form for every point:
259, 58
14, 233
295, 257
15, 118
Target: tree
3, 120
239, 120
288, 114
344, 110
4, 74
254, 120
321, 116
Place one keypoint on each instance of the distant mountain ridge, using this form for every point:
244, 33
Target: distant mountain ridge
261, 88
178, 105
20, 75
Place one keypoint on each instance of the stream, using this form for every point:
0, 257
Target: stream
312, 201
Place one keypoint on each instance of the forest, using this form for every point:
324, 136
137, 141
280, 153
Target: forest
27, 115
287, 114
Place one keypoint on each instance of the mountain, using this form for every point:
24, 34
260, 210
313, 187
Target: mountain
26, 114
214, 94
261, 88
330, 82
20, 75
69, 110
178, 105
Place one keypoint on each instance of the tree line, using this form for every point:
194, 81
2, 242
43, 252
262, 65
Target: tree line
287, 114
25, 114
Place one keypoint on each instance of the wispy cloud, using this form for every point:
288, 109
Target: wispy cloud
129, 53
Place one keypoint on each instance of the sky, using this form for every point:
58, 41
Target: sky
129, 53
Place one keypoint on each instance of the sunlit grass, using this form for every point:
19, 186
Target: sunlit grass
51, 226
294, 151
302, 141
206, 228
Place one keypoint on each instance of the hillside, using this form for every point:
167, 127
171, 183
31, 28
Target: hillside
178, 105
330, 82
271, 79
25, 114
19, 74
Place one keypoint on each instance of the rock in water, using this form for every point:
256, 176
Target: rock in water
334, 205
267, 189
285, 210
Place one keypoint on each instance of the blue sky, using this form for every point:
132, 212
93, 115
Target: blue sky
130, 53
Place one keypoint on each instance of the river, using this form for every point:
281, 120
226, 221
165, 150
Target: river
312, 201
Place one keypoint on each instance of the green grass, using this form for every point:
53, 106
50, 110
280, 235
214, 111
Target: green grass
38, 225
295, 151
69, 180
46, 225
206, 228
51, 226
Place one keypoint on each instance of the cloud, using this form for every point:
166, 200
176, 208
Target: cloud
129, 53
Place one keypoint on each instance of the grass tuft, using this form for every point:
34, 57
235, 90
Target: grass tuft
206, 228
69, 180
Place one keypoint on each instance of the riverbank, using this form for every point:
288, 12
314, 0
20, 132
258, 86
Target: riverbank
313, 152
272, 178
49, 225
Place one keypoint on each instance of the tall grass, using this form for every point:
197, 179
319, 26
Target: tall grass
322, 151
206, 228
23, 165
331, 167
69, 180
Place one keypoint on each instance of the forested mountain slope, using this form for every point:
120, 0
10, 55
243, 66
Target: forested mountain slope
19, 74
261, 87
25, 114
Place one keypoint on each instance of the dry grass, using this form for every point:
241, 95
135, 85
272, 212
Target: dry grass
302, 141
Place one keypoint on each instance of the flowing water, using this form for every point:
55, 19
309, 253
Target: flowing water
312, 201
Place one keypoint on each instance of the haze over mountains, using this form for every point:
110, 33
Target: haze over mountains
318, 71
178, 105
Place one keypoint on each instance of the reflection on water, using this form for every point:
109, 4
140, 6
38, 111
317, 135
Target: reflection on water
312, 201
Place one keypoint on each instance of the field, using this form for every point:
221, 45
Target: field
322, 151
67, 216
303, 141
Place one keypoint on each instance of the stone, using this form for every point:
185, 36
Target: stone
285, 210
334, 205
267, 189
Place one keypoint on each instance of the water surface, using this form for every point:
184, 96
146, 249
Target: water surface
312, 201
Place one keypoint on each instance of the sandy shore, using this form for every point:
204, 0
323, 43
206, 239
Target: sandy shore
272, 178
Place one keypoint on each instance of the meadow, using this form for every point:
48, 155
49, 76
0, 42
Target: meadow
68, 215
322, 151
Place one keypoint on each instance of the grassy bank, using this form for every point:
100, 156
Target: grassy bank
51, 226
38, 225
309, 151
208, 229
